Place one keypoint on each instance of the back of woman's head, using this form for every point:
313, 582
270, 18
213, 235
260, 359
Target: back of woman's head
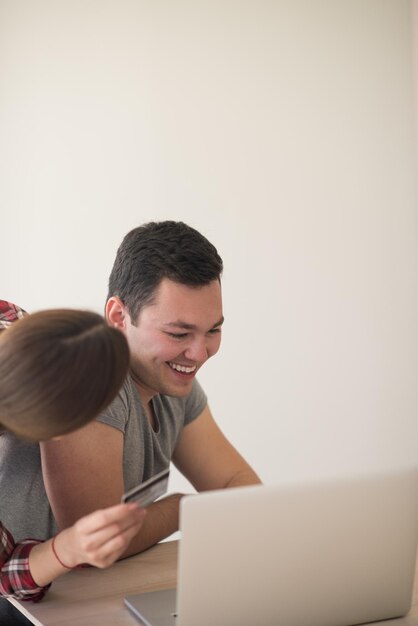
58, 370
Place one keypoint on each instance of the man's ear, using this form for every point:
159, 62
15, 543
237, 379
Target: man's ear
116, 313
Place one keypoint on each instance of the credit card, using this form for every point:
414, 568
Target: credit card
150, 490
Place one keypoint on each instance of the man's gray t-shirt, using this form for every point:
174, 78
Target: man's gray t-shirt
147, 451
24, 506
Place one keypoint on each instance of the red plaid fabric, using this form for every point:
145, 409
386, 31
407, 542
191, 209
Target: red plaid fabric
15, 577
9, 313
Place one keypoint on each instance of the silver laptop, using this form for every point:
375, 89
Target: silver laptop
331, 553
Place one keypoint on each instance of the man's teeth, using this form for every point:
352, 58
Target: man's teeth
182, 368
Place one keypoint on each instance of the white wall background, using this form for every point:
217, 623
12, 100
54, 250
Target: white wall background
283, 130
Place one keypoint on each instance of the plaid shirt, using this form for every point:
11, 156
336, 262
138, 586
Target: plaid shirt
15, 577
9, 313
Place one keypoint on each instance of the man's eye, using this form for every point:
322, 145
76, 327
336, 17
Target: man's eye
177, 335
214, 331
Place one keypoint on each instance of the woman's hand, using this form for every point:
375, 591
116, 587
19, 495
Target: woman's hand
101, 537
98, 539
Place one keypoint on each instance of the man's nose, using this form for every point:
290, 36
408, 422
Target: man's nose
197, 350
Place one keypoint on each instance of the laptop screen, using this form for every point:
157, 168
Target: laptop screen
326, 553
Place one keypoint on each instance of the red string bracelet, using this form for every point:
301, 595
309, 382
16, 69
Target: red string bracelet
56, 555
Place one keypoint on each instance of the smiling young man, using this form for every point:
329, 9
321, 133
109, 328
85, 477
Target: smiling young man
172, 337
165, 297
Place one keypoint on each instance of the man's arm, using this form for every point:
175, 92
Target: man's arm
208, 460
83, 472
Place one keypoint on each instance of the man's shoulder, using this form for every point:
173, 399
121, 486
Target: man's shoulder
117, 412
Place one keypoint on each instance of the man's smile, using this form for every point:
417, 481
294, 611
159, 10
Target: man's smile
183, 369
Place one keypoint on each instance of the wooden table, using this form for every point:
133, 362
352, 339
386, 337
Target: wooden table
94, 597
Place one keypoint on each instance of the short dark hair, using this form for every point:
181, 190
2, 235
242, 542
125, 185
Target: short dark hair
58, 370
160, 250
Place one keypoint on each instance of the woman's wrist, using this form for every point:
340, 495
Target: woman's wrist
54, 550
59, 546
43, 564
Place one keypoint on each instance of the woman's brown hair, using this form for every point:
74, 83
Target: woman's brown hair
58, 369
